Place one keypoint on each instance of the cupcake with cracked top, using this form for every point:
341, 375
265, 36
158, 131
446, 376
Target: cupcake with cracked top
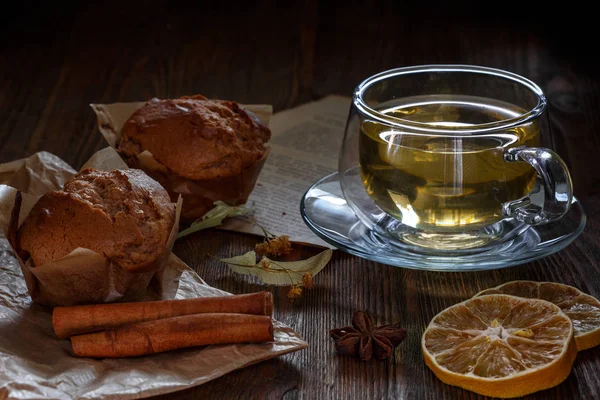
207, 150
123, 214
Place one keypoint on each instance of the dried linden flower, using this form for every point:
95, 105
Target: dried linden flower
294, 293
307, 280
274, 247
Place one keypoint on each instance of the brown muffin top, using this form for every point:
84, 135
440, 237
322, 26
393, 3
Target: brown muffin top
124, 215
196, 138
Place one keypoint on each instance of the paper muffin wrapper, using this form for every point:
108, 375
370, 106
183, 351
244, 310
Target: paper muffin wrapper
83, 276
198, 195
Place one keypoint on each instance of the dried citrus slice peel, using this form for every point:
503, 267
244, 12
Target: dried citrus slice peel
500, 345
581, 308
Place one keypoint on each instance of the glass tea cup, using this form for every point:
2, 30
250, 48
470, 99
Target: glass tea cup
446, 158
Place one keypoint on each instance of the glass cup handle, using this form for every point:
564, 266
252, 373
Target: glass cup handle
558, 187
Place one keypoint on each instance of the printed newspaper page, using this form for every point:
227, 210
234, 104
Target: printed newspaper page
305, 145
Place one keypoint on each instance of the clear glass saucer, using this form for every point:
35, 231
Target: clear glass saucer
325, 211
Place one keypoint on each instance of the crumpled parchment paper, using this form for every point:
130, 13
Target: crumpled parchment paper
36, 364
83, 276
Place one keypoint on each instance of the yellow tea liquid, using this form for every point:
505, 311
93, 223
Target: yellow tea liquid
448, 183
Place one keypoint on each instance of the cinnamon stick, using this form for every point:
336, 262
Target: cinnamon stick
174, 333
74, 320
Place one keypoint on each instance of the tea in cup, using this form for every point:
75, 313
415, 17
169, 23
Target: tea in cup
449, 158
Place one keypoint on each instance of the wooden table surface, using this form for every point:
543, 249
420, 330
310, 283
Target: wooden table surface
54, 62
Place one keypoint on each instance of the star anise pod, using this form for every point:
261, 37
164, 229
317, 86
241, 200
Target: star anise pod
366, 340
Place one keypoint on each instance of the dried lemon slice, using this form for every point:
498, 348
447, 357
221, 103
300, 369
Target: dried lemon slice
583, 309
500, 345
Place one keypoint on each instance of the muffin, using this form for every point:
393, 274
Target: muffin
204, 150
124, 215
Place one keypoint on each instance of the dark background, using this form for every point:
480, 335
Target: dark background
56, 59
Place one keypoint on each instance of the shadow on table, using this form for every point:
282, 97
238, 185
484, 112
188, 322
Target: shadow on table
270, 379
